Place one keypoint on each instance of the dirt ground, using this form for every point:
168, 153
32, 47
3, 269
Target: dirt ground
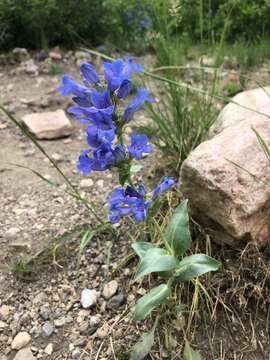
37, 217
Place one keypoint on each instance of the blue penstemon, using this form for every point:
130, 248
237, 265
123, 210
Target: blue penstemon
98, 105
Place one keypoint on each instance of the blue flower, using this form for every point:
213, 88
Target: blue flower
165, 185
139, 146
104, 157
135, 105
117, 72
96, 137
124, 89
129, 202
89, 74
69, 86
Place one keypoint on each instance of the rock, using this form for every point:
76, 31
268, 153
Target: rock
4, 312
30, 67
49, 349
60, 322
12, 232
86, 183
89, 298
24, 354
48, 125
3, 325
229, 200
110, 289
232, 114
57, 157
76, 353
115, 302
207, 61
45, 312
20, 54
93, 324
54, 55
20, 340
84, 327
47, 329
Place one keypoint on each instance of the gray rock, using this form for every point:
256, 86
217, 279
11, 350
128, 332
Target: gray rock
20, 54
47, 329
20, 340
60, 322
45, 312
76, 353
110, 289
48, 125
31, 68
25, 354
89, 298
115, 302
4, 312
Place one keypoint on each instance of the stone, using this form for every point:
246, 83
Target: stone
44, 312
110, 289
60, 322
4, 312
20, 54
49, 349
25, 354
47, 329
86, 183
31, 68
48, 125
54, 55
232, 114
76, 353
116, 302
89, 298
216, 179
12, 232
20, 340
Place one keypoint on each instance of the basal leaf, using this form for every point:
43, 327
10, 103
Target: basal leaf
143, 347
190, 354
150, 301
177, 233
195, 265
155, 260
141, 247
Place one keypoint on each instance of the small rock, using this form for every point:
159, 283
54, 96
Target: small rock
4, 312
45, 312
86, 183
76, 353
54, 55
49, 349
12, 232
48, 125
47, 329
84, 327
93, 324
110, 289
100, 183
115, 302
89, 298
20, 54
20, 340
2, 325
60, 322
57, 157
24, 354
31, 68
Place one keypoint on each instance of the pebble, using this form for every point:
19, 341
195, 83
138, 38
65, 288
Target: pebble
47, 329
60, 322
44, 312
24, 354
76, 353
115, 302
12, 232
89, 298
56, 157
110, 289
49, 349
86, 183
4, 312
20, 340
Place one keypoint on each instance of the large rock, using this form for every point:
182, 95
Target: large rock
232, 114
226, 180
24, 354
48, 125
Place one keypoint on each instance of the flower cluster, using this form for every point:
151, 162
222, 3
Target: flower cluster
98, 105
135, 202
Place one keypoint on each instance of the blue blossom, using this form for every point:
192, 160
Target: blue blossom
89, 74
101, 119
117, 72
96, 137
139, 146
124, 89
165, 185
136, 104
69, 86
103, 158
129, 201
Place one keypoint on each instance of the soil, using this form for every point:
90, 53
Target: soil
40, 232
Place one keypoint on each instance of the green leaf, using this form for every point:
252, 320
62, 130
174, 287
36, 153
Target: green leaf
155, 260
150, 301
190, 354
195, 265
143, 347
177, 233
141, 247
